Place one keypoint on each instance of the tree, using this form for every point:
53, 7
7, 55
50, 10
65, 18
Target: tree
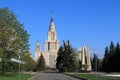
13, 39
116, 58
66, 58
60, 59
95, 62
78, 63
41, 63
30, 64
111, 58
105, 64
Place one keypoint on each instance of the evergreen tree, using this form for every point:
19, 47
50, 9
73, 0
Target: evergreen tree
117, 58
105, 63
111, 58
41, 63
111, 49
69, 56
66, 58
60, 59
95, 62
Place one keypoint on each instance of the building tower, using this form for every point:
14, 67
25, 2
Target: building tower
37, 51
52, 44
84, 57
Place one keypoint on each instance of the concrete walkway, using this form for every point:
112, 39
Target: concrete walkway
52, 76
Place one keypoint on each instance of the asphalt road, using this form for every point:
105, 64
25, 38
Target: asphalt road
52, 76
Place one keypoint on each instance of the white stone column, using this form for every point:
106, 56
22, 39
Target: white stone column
83, 56
88, 60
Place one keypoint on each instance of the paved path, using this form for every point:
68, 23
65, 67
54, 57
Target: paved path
53, 76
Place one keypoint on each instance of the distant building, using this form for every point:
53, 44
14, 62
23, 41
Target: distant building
51, 48
84, 57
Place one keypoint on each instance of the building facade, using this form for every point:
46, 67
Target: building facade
84, 57
51, 47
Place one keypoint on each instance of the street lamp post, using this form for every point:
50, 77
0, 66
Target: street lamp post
19, 66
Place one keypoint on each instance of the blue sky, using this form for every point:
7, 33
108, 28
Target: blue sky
84, 22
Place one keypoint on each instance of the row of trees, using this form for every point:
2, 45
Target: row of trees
111, 60
13, 42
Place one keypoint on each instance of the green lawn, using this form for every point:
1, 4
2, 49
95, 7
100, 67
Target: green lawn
15, 76
90, 76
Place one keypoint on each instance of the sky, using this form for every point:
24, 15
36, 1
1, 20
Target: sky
94, 23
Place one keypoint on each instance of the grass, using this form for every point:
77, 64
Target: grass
15, 76
90, 76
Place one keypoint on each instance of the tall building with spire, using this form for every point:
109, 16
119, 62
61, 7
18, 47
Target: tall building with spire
51, 49
51, 46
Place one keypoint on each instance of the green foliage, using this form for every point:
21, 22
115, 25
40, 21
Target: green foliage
106, 60
66, 58
41, 63
95, 63
78, 63
111, 60
30, 64
15, 76
13, 40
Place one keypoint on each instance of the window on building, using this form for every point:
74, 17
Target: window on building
48, 46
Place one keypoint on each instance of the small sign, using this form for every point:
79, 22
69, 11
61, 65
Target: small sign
17, 61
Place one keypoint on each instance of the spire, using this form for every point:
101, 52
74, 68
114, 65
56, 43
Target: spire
51, 19
51, 16
38, 44
51, 26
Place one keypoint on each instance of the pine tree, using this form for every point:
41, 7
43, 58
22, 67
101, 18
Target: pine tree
94, 63
105, 63
41, 63
60, 62
111, 58
117, 58
69, 56
66, 58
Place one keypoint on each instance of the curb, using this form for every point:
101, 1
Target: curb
76, 77
33, 76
